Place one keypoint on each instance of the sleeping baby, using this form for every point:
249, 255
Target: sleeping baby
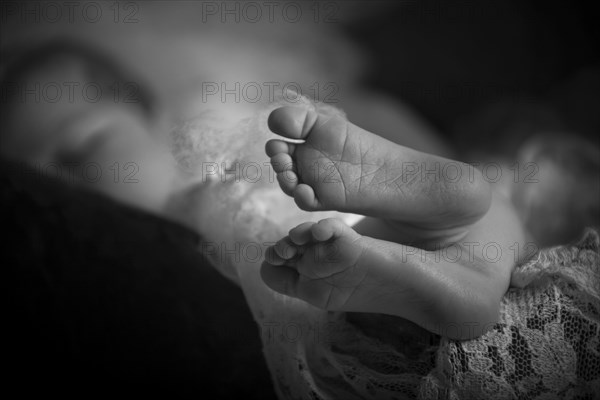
438, 250
437, 246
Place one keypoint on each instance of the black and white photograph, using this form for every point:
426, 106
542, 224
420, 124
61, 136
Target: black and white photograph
300, 199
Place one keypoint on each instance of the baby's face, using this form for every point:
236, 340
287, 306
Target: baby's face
65, 127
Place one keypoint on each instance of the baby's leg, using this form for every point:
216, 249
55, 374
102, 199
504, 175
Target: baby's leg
345, 168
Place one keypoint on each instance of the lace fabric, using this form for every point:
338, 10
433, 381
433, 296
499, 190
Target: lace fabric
546, 344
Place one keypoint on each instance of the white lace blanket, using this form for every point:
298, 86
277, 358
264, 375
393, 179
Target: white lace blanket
546, 345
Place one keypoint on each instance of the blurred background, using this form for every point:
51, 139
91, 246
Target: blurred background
480, 81
456, 63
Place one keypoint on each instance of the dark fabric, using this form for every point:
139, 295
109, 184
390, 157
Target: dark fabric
104, 299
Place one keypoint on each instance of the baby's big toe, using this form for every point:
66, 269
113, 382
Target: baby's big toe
292, 122
282, 162
288, 282
301, 234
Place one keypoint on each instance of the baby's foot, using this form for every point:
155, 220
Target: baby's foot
329, 265
332, 267
345, 168
318, 263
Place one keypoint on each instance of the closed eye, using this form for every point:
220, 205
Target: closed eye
85, 151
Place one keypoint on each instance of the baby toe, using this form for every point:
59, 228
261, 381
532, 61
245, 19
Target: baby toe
301, 234
328, 228
305, 198
281, 280
282, 162
271, 257
276, 146
288, 180
285, 249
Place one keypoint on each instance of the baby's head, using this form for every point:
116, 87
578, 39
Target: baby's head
211, 166
69, 112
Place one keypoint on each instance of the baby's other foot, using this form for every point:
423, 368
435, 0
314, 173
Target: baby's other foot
342, 167
329, 265
318, 263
